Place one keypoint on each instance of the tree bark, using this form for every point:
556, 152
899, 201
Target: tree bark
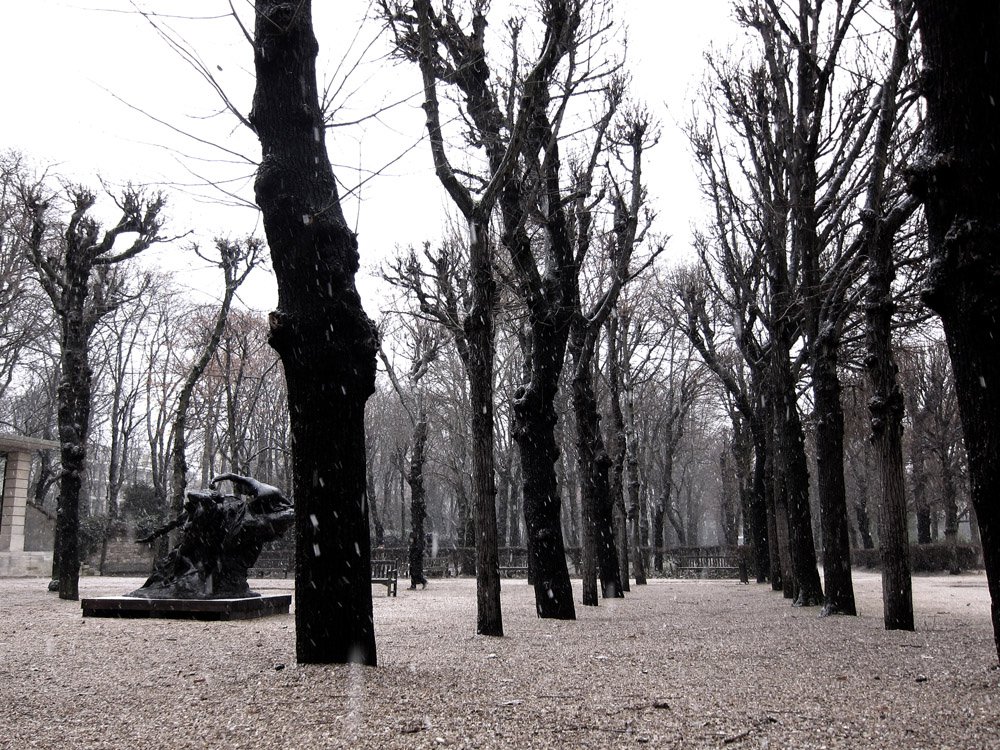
792, 477
326, 342
479, 333
959, 180
886, 405
74, 423
534, 431
838, 585
418, 502
594, 465
626, 517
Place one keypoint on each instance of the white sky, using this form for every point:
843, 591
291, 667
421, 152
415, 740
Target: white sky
64, 62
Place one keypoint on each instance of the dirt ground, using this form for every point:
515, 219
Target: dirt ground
676, 664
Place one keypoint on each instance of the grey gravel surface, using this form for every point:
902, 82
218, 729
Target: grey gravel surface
676, 664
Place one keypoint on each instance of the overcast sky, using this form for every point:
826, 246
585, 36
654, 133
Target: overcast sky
84, 82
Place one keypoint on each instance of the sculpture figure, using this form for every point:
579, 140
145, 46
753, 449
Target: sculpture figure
221, 537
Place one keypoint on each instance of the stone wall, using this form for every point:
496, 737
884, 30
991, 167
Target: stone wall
39, 530
123, 557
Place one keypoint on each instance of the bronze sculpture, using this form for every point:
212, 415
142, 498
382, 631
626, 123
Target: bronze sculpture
221, 537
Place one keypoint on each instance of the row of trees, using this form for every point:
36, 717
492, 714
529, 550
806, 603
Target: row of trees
550, 292
144, 353
119, 364
806, 267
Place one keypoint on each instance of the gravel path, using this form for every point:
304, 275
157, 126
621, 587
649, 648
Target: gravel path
676, 664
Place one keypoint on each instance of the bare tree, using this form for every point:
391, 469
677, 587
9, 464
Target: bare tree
25, 321
448, 54
424, 347
80, 269
957, 180
936, 442
633, 135
326, 342
118, 345
252, 421
237, 258
881, 222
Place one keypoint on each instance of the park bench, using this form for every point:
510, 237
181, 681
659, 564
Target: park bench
707, 564
273, 563
514, 563
386, 572
436, 568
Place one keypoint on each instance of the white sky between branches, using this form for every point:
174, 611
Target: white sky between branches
70, 69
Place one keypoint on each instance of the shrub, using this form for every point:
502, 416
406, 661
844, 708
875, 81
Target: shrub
924, 558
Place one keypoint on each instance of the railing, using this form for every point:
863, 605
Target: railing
676, 562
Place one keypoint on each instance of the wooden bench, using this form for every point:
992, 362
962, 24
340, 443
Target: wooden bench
716, 565
272, 564
386, 572
436, 567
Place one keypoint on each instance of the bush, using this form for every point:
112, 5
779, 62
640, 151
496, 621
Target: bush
93, 530
142, 509
924, 558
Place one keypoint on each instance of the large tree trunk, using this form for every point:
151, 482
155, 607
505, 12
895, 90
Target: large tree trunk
886, 407
534, 430
887, 434
837, 581
326, 342
792, 477
74, 420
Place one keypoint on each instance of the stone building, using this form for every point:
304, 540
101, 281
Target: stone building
25, 532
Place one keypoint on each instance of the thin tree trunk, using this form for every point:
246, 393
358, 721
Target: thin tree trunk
776, 543
950, 501
418, 502
630, 470
886, 405
656, 537
479, 333
758, 507
887, 432
617, 480
231, 256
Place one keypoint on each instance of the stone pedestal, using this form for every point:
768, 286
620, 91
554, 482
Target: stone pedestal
247, 608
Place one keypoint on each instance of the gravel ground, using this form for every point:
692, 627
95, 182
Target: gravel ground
676, 664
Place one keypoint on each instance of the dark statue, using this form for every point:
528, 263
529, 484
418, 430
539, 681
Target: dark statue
221, 537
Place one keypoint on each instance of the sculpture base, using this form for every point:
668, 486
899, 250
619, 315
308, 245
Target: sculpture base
247, 608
